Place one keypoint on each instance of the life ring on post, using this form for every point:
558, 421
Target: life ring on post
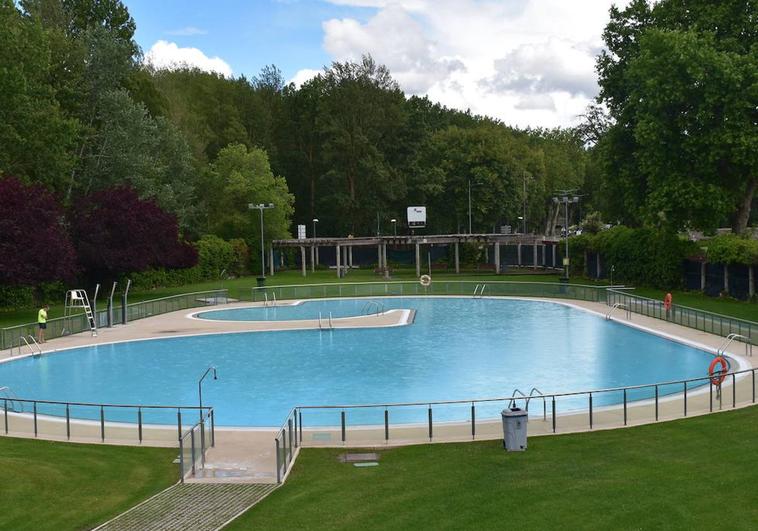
425, 280
718, 375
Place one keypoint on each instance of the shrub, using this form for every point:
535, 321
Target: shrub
731, 249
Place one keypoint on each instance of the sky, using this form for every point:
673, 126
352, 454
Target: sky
525, 62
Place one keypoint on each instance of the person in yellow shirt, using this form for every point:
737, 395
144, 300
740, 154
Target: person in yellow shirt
42, 323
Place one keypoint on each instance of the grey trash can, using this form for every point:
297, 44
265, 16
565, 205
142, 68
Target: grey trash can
514, 429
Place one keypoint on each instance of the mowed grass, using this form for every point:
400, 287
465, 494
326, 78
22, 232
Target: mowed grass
62, 486
697, 473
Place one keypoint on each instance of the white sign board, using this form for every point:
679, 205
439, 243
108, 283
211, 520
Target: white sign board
416, 217
301, 232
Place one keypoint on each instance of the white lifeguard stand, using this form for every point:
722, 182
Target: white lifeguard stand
77, 300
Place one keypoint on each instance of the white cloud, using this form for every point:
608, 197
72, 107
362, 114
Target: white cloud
526, 62
303, 75
187, 31
169, 56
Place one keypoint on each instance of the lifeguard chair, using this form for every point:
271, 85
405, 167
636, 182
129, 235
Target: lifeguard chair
77, 300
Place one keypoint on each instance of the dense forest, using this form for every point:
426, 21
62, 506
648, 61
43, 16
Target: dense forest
113, 167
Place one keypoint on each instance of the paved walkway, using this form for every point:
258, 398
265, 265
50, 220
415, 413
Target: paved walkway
199, 507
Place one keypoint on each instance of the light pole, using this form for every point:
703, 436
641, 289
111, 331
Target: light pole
566, 197
394, 226
261, 207
200, 386
469, 206
315, 220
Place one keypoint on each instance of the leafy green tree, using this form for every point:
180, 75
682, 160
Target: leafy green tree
679, 81
240, 176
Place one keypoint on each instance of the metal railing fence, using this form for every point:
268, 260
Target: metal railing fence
286, 445
60, 326
414, 288
97, 421
572, 411
702, 320
194, 443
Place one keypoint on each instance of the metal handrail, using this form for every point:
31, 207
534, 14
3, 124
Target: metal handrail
536, 393
616, 306
512, 402
730, 338
29, 345
369, 305
509, 398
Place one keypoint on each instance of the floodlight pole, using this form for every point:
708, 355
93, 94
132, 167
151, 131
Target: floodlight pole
261, 207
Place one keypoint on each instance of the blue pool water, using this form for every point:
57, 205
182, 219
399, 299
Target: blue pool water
457, 348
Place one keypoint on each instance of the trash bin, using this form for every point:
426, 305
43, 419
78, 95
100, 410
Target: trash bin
261, 281
514, 429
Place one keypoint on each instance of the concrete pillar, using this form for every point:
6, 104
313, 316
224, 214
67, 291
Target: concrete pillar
497, 258
313, 258
544, 258
379, 257
597, 266
702, 276
418, 260
457, 259
338, 260
384, 261
302, 258
271, 261
534, 256
726, 278
554, 247
519, 254
317, 258
750, 281
350, 256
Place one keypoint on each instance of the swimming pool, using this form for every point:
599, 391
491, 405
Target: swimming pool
457, 348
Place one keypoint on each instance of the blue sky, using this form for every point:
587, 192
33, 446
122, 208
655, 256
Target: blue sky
525, 62
246, 34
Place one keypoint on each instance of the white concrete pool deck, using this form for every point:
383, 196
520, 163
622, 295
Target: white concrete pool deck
248, 455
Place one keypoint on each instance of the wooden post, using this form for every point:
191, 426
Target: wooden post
497, 258
457, 260
338, 260
302, 258
271, 261
418, 260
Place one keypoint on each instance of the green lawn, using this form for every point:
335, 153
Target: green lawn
698, 473
743, 310
61, 486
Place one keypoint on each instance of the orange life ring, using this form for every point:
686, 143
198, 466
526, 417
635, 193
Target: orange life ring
717, 377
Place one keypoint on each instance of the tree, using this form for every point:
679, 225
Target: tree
34, 244
679, 80
116, 232
240, 176
36, 138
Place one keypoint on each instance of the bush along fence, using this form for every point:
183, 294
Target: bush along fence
15, 337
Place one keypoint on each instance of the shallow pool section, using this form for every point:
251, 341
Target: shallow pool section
304, 310
458, 348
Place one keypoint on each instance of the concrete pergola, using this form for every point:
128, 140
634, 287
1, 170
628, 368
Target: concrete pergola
344, 247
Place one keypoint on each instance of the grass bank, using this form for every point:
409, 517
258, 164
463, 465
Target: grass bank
698, 473
52, 485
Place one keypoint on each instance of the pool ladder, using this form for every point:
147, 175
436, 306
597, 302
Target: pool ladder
10, 398
266, 302
34, 347
479, 289
728, 341
321, 323
534, 393
619, 305
367, 308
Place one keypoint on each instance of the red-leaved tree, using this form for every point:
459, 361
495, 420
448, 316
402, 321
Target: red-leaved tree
116, 232
34, 245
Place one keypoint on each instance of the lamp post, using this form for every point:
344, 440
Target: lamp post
200, 386
261, 207
394, 226
566, 197
469, 206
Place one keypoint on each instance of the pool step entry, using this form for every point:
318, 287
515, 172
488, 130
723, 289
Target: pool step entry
479, 290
